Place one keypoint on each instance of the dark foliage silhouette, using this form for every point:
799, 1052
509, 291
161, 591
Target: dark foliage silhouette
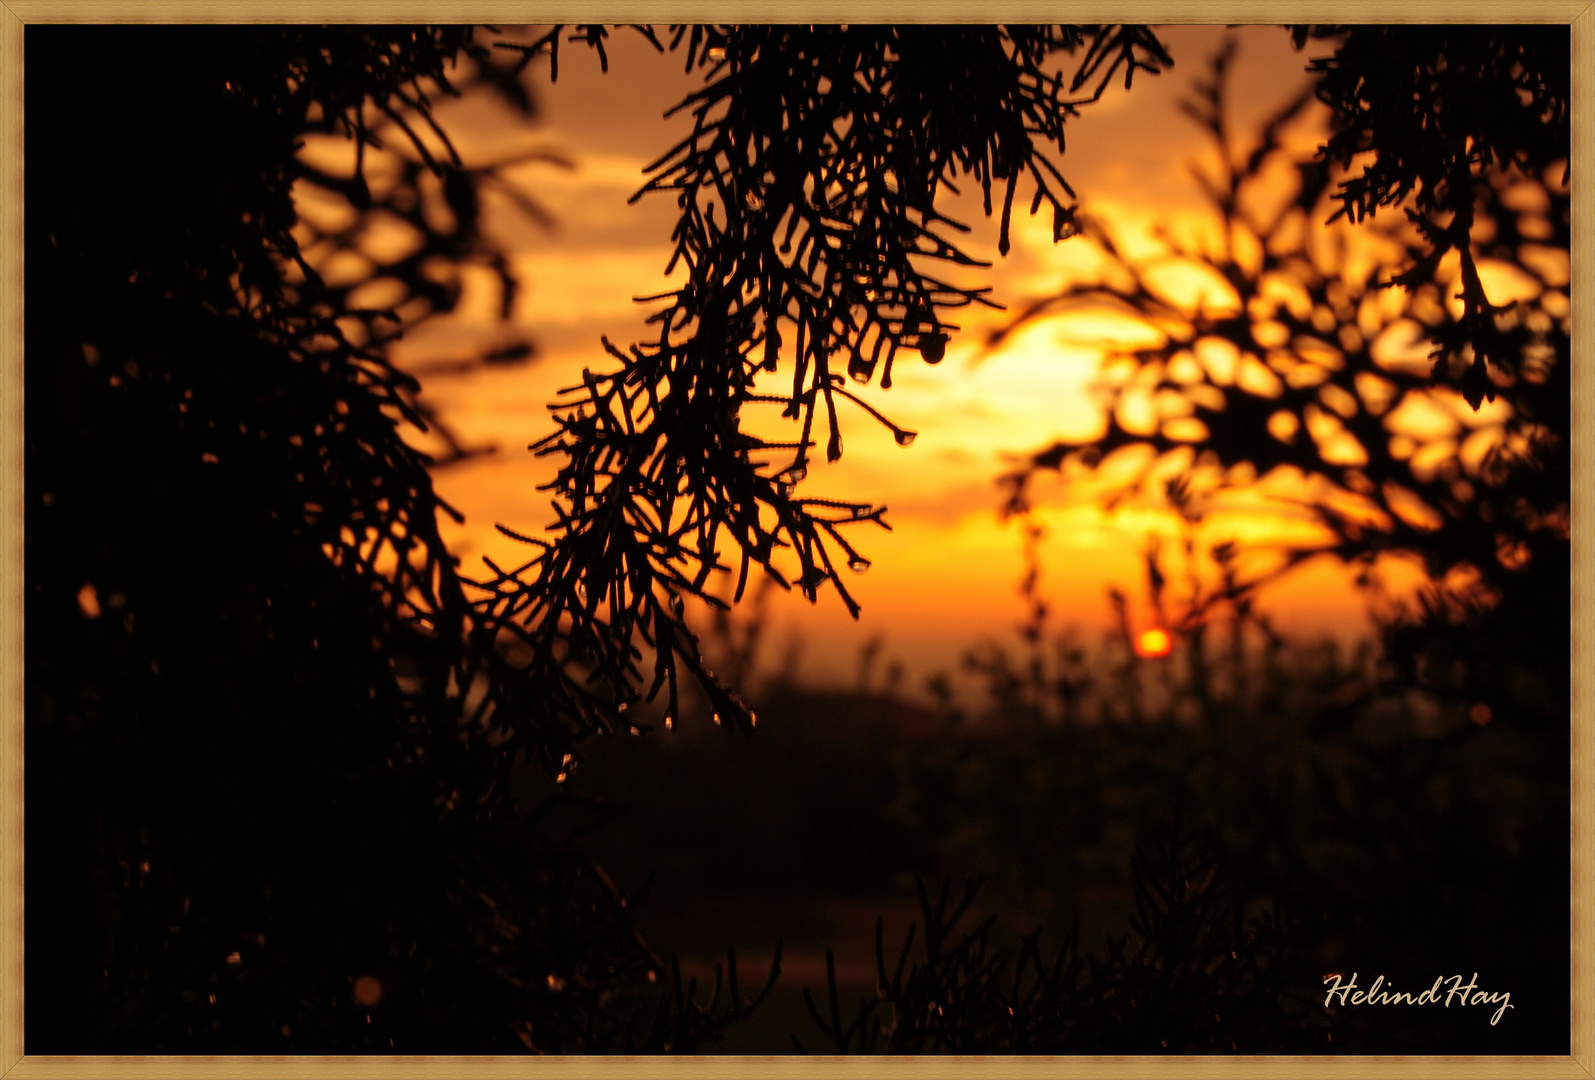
808, 192
1195, 975
1415, 762
1305, 388
1402, 835
1398, 835
1434, 107
1303, 366
272, 731
264, 727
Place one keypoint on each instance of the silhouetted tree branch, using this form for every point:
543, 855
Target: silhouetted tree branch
271, 735
808, 192
269, 740
1300, 370
1435, 110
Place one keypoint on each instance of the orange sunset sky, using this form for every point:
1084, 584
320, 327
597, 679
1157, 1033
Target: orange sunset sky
948, 575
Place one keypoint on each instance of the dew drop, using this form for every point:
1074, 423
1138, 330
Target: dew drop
906, 438
859, 564
717, 718
669, 723
860, 375
622, 707
797, 473
753, 719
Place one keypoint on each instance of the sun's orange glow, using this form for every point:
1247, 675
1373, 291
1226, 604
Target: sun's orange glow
1153, 643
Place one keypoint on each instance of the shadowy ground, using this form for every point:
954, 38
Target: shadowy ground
1396, 834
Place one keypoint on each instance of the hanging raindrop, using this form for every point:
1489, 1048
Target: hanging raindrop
797, 473
906, 438
858, 564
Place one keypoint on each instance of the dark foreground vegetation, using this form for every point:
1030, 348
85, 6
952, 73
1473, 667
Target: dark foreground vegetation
1288, 812
295, 784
